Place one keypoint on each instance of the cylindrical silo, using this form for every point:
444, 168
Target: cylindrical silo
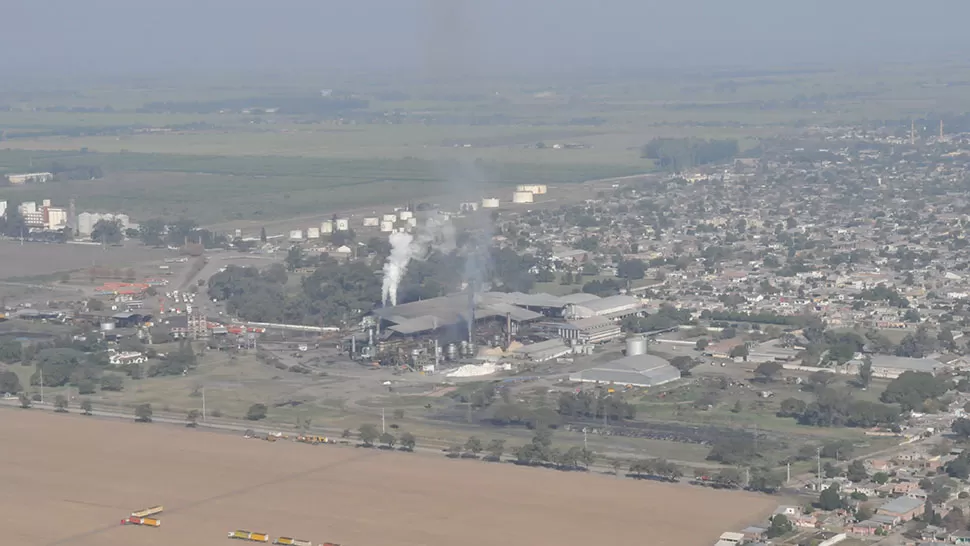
636, 345
522, 197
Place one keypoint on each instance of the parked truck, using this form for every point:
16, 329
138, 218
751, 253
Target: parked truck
148, 512
150, 522
293, 541
247, 535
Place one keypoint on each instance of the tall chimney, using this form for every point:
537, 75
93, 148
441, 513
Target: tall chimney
508, 330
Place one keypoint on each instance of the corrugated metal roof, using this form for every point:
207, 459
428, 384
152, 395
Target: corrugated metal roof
906, 363
637, 370
901, 505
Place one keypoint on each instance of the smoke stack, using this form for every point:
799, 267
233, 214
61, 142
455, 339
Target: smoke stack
471, 312
508, 330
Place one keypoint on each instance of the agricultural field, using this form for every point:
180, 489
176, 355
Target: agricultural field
414, 141
88, 474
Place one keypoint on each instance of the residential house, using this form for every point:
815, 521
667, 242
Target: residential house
796, 515
902, 509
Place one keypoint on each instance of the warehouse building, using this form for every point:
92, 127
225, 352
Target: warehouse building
544, 350
613, 308
891, 367
591, 330
636, 371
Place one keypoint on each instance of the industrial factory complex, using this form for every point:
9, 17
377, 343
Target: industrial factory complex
514, 327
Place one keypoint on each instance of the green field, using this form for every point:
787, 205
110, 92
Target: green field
416, 140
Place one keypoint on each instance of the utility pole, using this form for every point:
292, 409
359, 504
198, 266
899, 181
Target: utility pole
383, 430
203, 404
788, 479
41, 370
818, 459
585, 445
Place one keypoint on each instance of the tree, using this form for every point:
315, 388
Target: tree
820, 379
388, 440
495, 449
792, 407
60, 403
86, 386
958, 468
25, 401
143, 413
830, 499
474, 445
408, 441
857, 471
9, 382
368, 434
684, 363
631, 269
86, 407
256, 412
151, 232
10, 352
701, 344
911, 389
768, 370
192, 418
346, 433
112, 382
740, 351
865, 372
780, 526
961, 427
262, 235
107, 231
880, 477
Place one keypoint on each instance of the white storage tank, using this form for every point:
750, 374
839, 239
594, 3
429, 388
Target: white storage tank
296, 235
371, 221
313, 233
636, 345
522, 197
343, 224
387, 227
405, 215
538, 189
326, 227
490, 203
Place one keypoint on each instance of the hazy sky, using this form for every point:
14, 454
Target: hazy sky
111, 36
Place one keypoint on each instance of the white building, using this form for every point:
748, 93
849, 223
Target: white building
538, 189
490, 203
522, 197
56, 218
370, 221
326, 227
343, 224
28, 207
34, 178
3, 208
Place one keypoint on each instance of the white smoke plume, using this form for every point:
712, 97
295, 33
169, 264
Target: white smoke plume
436, 232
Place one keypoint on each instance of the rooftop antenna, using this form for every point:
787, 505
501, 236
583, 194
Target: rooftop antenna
912, 132
941, 129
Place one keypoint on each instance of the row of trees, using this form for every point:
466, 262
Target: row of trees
678, 154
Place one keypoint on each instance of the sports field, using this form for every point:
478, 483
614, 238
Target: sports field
69, 480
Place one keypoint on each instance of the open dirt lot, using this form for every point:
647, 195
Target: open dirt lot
69, 480
31, 259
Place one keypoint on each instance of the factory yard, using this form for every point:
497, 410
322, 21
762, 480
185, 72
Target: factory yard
85, 475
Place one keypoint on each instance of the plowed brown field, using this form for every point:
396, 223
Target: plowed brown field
69, 480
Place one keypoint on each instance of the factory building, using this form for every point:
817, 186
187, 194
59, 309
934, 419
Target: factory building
342, 224
326, 227
613, 308
590, 330
640, 370
371, 221
87, 220
490, 203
